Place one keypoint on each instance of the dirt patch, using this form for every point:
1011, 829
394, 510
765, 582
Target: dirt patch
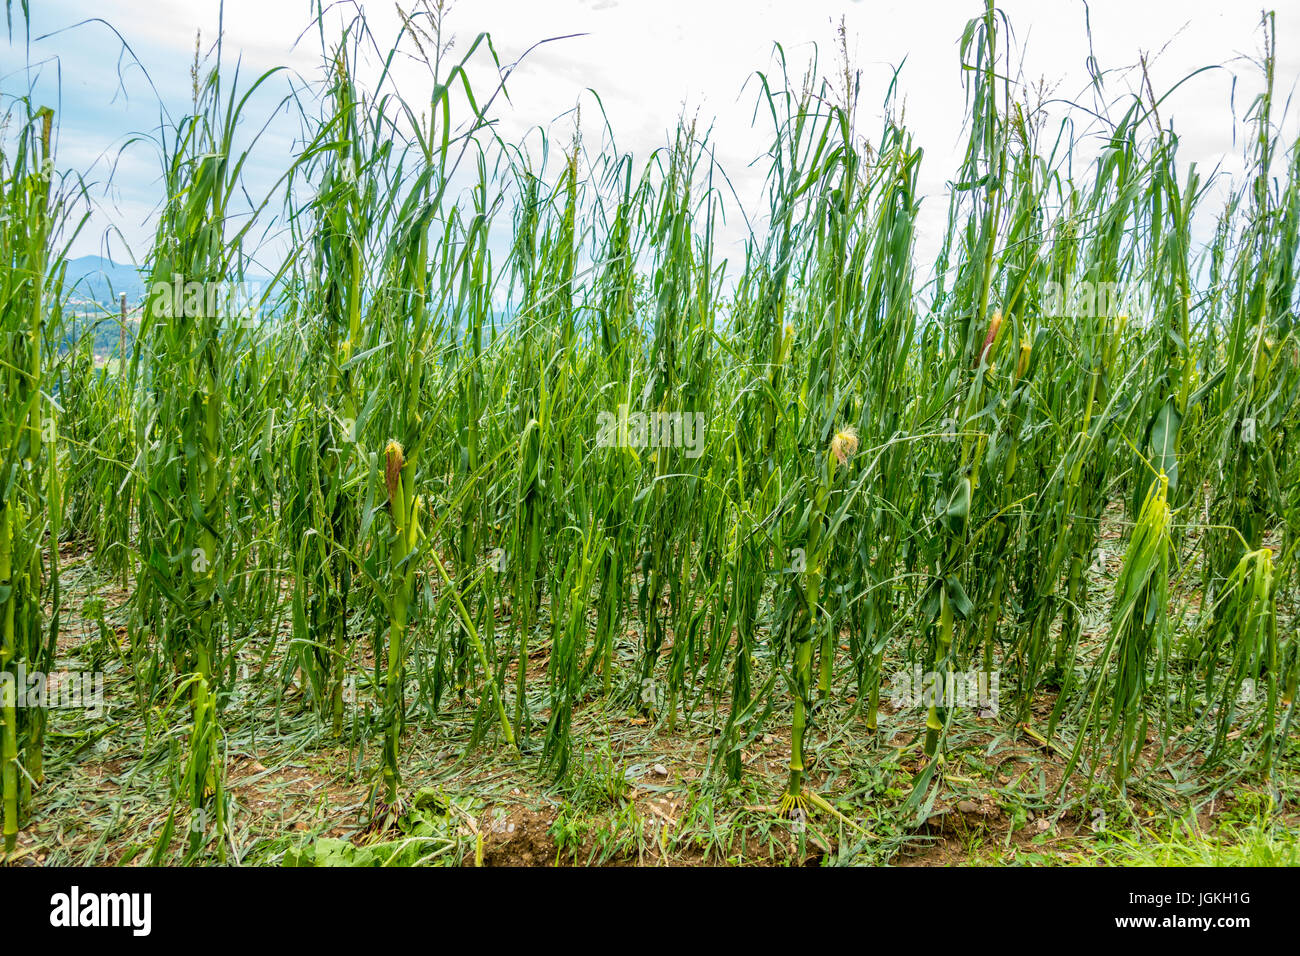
518, 837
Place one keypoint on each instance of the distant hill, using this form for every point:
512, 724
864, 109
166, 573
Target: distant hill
94, 280
92, 287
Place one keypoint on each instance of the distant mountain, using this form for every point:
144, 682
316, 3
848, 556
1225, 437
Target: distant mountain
93, 284
94, 280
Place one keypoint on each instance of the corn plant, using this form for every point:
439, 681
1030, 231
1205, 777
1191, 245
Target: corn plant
31, 490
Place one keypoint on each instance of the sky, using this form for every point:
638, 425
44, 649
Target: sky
113, 73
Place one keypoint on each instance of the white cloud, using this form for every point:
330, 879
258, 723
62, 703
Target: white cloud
652, 61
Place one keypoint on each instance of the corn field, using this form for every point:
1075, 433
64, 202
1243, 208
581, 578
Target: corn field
410, 488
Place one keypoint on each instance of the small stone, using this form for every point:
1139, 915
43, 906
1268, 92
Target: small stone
968, 806
660, 770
